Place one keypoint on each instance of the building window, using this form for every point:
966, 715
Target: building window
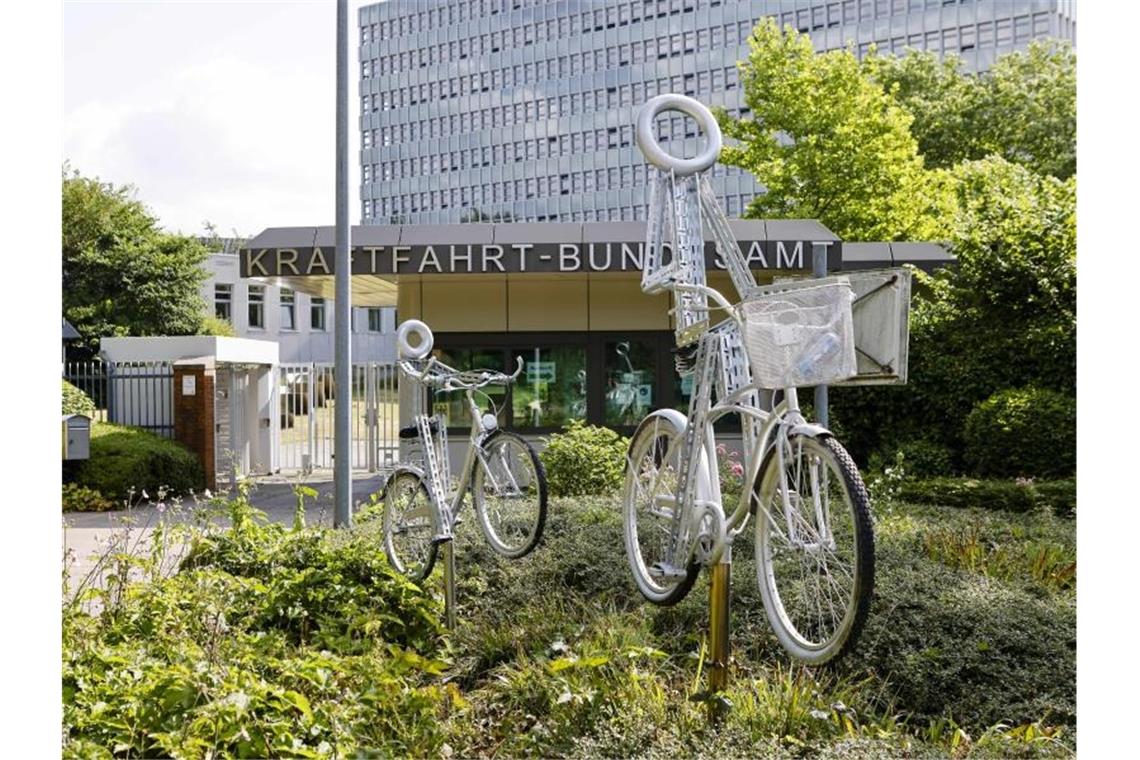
223, 302
257, 307
317, 314
629, 371
288, 309
375, 321
552, 389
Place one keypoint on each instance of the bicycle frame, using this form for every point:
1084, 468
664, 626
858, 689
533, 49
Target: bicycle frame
703, 504
446, 501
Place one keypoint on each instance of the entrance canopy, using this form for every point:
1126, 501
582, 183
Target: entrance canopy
302, 258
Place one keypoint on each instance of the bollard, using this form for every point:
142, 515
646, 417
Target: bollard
448, 549
719, 581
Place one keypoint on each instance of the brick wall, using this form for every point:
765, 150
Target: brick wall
194, 414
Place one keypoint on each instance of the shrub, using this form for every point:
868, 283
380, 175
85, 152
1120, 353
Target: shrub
269, 643
925, 458
123, 458
76, 401
1023, 432
217, 326
1009, 495
79, 499
584, 460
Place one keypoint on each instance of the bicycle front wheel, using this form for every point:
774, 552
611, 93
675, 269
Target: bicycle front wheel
409, 525
815, 550
649, 507
509, 491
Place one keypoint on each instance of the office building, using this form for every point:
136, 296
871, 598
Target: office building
301, 323
523, 110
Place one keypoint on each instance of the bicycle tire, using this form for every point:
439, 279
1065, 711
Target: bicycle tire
413, 559
859, 536
663, 423
534, 523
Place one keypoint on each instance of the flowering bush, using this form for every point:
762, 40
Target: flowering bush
731, 471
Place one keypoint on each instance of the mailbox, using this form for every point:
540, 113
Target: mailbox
76, 436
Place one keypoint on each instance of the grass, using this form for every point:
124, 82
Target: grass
969, 650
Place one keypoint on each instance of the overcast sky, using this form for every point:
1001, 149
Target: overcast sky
219, 111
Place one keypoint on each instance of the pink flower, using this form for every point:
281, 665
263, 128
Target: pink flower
737, 469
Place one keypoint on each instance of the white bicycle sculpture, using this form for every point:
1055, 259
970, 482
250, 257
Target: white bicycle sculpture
813, 537
501, 470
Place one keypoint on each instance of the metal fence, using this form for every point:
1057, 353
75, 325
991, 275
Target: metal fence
140, 394
309, 397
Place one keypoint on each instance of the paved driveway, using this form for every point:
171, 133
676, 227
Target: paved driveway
87, 535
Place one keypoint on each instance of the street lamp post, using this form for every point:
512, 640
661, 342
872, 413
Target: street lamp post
342, 467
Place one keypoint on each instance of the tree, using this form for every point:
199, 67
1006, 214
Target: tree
1003, 317
1023, 109
829, 143
122, 274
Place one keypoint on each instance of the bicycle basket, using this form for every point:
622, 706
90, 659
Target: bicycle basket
798, 334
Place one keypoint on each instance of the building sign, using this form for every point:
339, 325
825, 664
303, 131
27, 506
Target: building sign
512, 258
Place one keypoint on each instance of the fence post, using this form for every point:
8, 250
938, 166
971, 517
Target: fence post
312, 399
370, 413
109, 385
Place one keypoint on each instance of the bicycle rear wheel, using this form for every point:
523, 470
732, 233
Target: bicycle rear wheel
652, 472
509, 490
409, 525
815, 549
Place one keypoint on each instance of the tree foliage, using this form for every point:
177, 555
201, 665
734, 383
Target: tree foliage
828, 143
1024, 108
122, 274
914, 148
1003, 317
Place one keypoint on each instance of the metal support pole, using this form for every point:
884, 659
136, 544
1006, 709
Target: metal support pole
819, 269
448, 549
342, 465
719, 578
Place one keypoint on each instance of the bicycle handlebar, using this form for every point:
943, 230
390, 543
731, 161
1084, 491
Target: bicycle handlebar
450, 379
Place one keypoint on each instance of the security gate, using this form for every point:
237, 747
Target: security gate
308, 399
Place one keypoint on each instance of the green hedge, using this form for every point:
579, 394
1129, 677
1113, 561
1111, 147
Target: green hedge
123, 458
1009, 495
1023, 431
584, 460
76, 401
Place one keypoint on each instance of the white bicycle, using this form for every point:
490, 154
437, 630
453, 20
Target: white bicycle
501, 470
813, 537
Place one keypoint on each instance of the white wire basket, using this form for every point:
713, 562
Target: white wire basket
798, 334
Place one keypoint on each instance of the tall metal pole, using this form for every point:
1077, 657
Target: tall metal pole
342, 469
819, 269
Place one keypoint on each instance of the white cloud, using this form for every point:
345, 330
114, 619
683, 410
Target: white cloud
240, 135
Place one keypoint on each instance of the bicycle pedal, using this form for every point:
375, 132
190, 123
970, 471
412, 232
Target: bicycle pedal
440, 539
666, 570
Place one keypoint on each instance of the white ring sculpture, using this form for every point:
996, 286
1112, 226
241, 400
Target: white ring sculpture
407, 350
646, 138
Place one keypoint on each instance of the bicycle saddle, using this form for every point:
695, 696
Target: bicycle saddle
412, 431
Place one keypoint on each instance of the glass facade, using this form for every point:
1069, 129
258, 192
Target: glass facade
596, 377
523, 110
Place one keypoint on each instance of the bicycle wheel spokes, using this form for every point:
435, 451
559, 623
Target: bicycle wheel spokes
813, 548
655, 486
510, 494
409, 526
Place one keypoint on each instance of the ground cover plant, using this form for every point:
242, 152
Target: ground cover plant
294, 641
